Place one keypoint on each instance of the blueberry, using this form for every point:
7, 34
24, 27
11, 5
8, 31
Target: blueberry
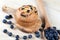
5, 30
10, 34
37, 35
9, 22
10, 16
36, 32
49, 28
41, 30
17, 36
55, 34
7, 17
51, 32
46, 35
4, 21
53, 39
45, 30
29, 36
58, 31
56, 38
50, 35
54, 27
24, 37
11, 26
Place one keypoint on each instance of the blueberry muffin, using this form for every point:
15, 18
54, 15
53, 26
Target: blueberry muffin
26, 17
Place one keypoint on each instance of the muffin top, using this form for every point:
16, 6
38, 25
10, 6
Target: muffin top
27, 13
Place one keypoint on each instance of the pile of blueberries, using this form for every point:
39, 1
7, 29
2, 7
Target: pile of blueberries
52, 33
37, 34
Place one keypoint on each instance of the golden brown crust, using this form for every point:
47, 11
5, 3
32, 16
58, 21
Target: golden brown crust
29, 20
31, 28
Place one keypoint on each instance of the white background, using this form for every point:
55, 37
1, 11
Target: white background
52, 8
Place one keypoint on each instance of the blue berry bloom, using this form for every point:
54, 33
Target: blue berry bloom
24, 37
9, 22
4, 21
11, 26
5, 30
51, 34
29, 36
10, 34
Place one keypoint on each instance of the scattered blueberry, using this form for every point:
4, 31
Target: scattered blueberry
10, 16
4, 21
7, 17
29, 36
10, 34
5, 30
11, 26
37, 35
17, 36
9, 22
36, 32
24, 37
